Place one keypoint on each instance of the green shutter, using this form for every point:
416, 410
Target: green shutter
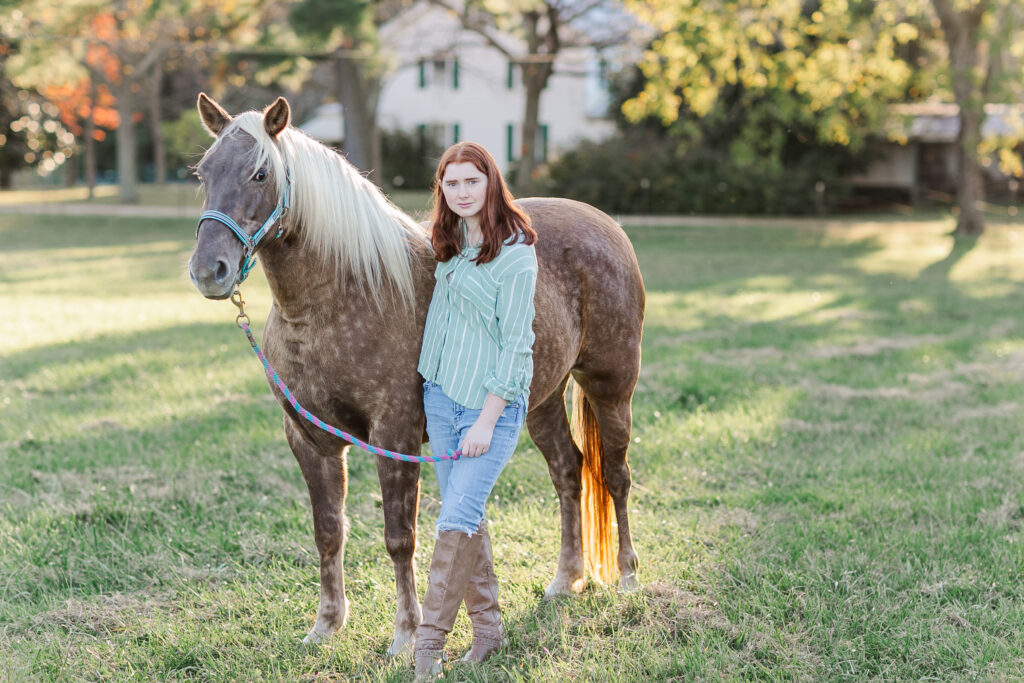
511, 75
455, 133
455, 74
509, 139
423, 74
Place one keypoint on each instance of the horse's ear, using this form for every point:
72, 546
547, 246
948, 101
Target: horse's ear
276, 117
213, 115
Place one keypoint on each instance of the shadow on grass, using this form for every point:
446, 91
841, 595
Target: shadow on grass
941, 269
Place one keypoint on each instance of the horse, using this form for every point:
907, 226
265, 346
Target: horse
351, 277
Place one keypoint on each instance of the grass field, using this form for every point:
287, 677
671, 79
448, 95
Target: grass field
827, 468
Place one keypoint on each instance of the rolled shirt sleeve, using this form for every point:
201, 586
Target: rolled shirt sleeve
514, 311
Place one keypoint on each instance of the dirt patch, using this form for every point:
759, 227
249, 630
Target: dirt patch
682, 609
742, 520
102, 616
877, 345
1009, 513
742, 357
1005, 409
73, 491
845, 315
685, 613
824, 427
841, 392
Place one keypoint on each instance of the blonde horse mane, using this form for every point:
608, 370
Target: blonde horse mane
337, 211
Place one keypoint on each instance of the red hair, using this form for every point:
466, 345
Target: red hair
499, 219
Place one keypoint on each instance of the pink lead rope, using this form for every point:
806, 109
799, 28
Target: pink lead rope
242, 322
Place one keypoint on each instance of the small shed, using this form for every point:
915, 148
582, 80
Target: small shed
924, 165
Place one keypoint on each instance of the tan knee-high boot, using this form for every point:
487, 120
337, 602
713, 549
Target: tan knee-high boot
455, 557
482, 603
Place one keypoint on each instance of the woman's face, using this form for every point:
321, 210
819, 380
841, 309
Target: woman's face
465, 189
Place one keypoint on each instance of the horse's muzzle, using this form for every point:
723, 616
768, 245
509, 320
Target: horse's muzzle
214, 278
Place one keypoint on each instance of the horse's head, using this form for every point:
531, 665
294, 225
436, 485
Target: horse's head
246, 191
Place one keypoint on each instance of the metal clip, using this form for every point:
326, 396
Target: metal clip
239, 302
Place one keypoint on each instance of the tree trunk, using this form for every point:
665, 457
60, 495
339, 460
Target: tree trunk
970, 179
127, 161
961, 30
535, 77
155, 119
359, 93
90, 140
542, 43
71, 171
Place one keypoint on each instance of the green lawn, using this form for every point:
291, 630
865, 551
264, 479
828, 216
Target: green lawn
827, 468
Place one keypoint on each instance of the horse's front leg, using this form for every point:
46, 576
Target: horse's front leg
327, 479
400, 491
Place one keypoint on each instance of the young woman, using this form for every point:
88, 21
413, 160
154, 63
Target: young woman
477, 360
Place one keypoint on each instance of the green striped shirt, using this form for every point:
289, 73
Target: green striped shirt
479, 333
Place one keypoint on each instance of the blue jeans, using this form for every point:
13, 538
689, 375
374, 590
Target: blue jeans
466, 483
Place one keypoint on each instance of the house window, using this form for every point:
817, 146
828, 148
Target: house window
513, 136
439, 135
597, 94
434, 73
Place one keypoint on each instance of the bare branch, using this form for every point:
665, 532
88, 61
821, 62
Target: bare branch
474, 24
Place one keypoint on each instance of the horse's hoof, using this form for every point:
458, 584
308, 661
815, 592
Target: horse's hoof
561, 585
314, 637
401, 648
629, 583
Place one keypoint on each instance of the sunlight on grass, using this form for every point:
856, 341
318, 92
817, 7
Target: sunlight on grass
825, 460
62, 194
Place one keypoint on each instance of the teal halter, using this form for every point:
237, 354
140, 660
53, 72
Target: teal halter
249, 244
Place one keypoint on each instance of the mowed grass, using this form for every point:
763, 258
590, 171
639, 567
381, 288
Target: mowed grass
827, 472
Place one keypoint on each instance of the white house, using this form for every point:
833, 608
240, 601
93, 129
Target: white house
450, 85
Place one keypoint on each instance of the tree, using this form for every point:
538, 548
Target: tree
348, 29
122, 46
977, 35
836, 65
546, 28
31, 132
831, 64
87, 110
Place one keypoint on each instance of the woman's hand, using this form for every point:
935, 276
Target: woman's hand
478, 437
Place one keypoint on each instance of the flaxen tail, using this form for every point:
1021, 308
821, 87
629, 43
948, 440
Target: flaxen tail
596, 506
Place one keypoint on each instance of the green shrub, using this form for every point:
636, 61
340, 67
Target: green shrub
645, 172
408, 159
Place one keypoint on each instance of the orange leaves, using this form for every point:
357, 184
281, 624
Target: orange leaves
72, 101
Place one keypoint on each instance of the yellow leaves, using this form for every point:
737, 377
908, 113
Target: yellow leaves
1010, 163
904, 33
835, 63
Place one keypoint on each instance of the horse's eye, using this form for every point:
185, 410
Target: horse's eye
260, 176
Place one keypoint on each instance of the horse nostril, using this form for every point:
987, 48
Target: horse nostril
222, 271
